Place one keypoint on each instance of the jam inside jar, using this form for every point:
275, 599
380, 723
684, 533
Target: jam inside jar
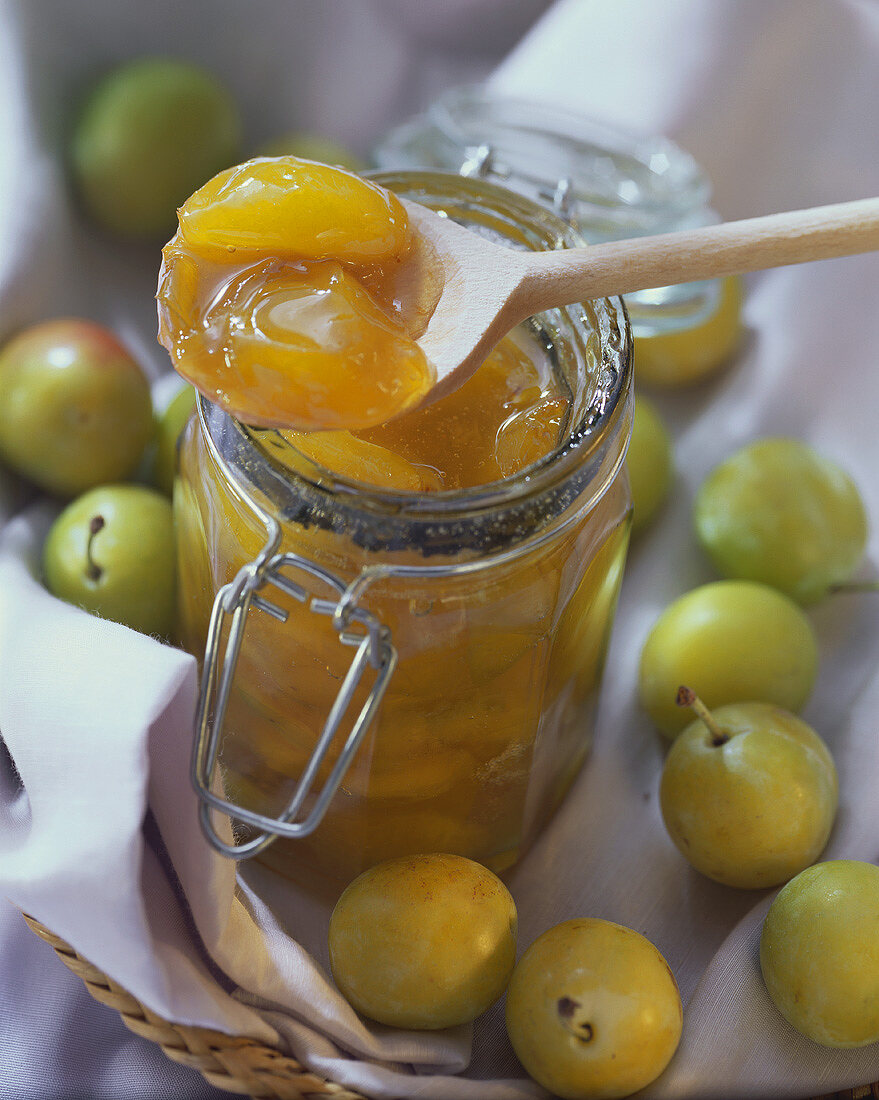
495, 599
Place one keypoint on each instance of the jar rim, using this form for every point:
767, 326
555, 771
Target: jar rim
312, 493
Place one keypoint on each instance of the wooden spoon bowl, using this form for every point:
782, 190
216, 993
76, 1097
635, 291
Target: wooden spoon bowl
465, 292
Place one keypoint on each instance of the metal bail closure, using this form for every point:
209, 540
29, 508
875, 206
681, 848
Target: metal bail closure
356, 628
480, 162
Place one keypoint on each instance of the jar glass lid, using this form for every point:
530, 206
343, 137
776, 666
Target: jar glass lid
608, 183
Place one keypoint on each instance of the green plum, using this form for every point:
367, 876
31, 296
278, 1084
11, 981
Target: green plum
733, 642
424, 941
309, 146
819, 953
778, 512
150, 134
748, 793
75, 407
112, 552
170, 424
649, 463
593, 1010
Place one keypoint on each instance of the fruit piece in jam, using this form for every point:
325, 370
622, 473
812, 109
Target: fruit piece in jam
276, 298
509, 414
294, 210
352, 457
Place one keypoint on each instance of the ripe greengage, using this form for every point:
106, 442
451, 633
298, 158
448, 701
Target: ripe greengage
778, 512
593, 1010
748, 793
733, 642
424, 941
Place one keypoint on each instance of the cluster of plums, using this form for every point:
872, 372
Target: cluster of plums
749, 791
77, 421
429, 941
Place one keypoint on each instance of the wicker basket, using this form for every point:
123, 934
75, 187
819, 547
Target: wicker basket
228, 1061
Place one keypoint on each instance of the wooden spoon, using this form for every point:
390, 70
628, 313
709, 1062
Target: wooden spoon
466, 292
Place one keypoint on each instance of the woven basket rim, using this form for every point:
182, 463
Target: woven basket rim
230, 1062
233, 1062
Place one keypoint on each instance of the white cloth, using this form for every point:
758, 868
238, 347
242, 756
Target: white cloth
773, 99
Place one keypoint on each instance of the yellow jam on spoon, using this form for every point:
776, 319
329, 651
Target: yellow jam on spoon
276, 300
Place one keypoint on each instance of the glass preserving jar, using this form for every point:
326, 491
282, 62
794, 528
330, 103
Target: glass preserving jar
390, 672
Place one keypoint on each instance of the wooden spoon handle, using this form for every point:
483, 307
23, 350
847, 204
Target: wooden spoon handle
556, 278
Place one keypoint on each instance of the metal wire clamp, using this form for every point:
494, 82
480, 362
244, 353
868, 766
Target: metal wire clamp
355, 626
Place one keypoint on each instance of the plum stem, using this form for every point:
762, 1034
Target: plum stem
853, 586
686, 697
94, 570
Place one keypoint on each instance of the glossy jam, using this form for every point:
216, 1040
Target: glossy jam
509, 414
276, 298
488, 714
